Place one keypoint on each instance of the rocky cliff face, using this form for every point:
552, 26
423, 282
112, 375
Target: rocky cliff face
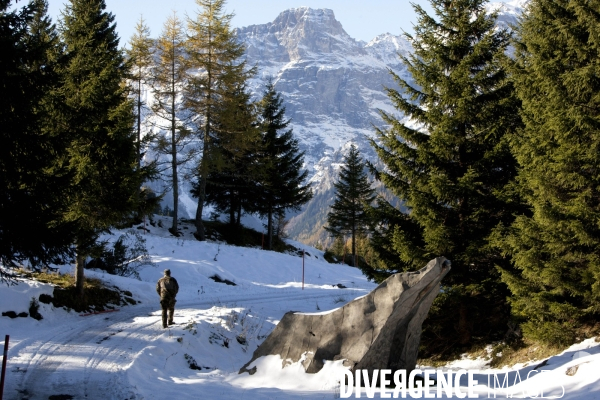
333, 86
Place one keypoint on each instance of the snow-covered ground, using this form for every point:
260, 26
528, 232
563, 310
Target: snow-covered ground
128, 355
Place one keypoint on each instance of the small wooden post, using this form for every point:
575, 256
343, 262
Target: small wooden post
4, 366
302, 269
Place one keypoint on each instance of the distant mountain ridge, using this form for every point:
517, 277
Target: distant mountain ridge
324, 75
333, 87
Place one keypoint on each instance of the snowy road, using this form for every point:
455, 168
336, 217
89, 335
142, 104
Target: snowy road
86, 359
128, 355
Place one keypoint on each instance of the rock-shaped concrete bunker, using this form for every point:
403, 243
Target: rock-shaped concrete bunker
381, 330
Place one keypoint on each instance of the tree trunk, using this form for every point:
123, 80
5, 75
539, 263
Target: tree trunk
464, 331
200, 232
139, 124
79, 276
175, 200
204, 167
138, 143
270, 229
231, 208
174, 166
175, 187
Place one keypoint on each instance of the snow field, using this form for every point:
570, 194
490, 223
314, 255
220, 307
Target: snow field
128, 355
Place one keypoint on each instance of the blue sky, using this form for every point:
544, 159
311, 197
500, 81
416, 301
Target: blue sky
362, 19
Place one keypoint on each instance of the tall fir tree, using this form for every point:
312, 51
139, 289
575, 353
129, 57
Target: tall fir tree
168, 79
31, 194
556, 248
353, 196
98, 120
234, 172
284, 185
451, 166
216, 53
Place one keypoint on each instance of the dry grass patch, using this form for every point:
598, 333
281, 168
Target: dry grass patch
439, 362
97, 296
503, 354
63, 281
523, 352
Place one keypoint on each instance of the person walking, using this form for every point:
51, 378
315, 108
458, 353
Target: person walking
167, 288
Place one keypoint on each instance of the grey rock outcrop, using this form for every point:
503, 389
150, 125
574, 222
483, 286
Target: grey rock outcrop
331, 83
381, 330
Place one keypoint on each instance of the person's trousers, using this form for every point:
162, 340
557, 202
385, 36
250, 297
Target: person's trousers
168, 309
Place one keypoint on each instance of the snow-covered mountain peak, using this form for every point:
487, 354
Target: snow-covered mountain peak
386, 47
515, 7
308, 32
508, 12
299, 33
292, 16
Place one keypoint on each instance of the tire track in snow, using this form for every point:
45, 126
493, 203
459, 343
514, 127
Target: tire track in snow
60, 364
86, 361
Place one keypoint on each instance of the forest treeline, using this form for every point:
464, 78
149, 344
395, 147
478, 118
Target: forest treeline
75, 160
494, 153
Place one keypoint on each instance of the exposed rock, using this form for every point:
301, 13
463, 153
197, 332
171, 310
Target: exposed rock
381, 330
571, 371
12, 314
332, 84
45, 298
218, 279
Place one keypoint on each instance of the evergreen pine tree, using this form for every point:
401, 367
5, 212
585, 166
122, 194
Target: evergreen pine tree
556, 248
234, 173
451, 166
31, 194
353, 195
215, 52
168, 79
283, 186
338, 248
98, 120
